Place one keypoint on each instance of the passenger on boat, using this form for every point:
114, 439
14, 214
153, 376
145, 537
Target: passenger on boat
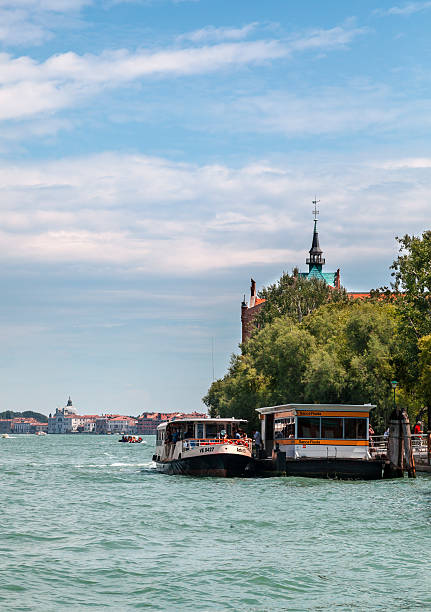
418, 428
371, 434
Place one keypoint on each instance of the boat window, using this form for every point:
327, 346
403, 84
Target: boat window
199, 430
211, 430
355, 429
332, 428
308, 427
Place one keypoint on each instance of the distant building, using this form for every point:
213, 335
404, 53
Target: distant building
27, 426
5, 426
65, 420
148, 422
115, 424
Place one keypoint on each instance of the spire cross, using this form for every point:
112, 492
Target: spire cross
315, 211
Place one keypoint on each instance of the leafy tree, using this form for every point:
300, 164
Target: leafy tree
296, 297
342, 353
9, 414
410, 293
424, 346
412, 278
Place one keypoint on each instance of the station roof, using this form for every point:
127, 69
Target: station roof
317, 408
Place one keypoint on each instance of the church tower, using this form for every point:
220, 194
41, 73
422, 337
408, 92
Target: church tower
315, 260
315, 263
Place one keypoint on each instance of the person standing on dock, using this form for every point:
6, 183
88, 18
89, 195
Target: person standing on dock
257, 442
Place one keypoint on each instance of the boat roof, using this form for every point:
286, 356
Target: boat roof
202, 420
317, 408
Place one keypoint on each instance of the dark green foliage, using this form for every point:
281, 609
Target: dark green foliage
315, 345
411, 295
340, 353
296, 297
27, 414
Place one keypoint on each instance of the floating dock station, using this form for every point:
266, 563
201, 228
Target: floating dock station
329, 441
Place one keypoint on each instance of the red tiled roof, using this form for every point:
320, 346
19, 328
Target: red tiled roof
358, 296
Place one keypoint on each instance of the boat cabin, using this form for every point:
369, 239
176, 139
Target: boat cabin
203, 447
316, 430
198, 429
179, 435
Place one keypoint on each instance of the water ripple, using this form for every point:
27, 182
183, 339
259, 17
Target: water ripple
87, 523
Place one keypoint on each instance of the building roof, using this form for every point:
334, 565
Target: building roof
318, 408
328, 277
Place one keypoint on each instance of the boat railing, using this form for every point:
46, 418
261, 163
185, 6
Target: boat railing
198, 442
420, 446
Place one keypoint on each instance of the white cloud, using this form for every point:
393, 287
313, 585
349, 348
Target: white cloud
212, 34
330, 110
33, 21
56, 6
30, 88
327, 39
406, 9
160, 217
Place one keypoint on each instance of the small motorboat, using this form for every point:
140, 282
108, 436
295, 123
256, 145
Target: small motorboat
40, 433
131, 440
5, 436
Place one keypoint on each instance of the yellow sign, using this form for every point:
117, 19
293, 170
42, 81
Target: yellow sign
331, 413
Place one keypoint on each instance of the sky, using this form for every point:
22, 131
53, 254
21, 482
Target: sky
157, 154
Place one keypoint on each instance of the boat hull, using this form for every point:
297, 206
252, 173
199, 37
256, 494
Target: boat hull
223, 465
348, 469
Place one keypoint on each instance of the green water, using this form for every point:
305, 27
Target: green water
87, 523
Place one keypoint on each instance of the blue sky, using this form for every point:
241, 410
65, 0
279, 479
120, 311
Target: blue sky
156, 154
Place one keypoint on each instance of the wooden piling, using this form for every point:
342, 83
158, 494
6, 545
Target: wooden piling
400, 451
394, 456
409, 460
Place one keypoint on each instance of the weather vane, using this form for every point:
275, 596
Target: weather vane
316, 210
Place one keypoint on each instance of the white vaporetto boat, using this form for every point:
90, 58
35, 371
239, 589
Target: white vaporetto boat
203, 447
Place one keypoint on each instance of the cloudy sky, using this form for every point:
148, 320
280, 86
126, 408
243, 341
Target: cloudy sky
156, 154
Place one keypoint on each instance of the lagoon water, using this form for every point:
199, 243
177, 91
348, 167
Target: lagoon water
87, 523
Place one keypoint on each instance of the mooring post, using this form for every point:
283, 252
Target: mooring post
394, 461
407, 443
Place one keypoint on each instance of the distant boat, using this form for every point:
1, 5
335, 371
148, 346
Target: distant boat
5, 435
132, 440
41, 433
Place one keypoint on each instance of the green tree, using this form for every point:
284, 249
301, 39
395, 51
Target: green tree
342, 353
296, 297
410, 294
424, 345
